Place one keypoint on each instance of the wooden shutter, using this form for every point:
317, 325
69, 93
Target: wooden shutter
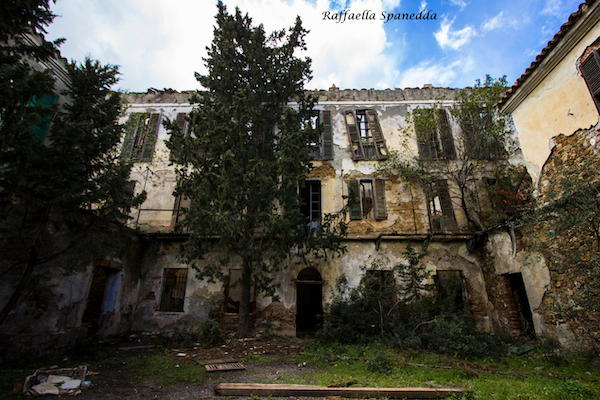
326, 136
131, 130
448, 219
445, 131
423, 136
376, 132
147, 151
590, 69
354, 199
380, 210
352, 129
181, 123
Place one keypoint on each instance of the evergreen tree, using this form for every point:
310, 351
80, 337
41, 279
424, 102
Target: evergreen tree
246, 155
63, 191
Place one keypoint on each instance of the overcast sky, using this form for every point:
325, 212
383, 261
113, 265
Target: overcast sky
160, 43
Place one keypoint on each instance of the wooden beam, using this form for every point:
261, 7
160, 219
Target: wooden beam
257, 389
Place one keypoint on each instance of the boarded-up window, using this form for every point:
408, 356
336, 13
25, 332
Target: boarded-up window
434, 134
365, 134
439, 207
173, 292
590, 69
141, 133
366, 199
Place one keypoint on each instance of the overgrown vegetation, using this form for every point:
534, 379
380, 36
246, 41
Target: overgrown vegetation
490, 190
406, 314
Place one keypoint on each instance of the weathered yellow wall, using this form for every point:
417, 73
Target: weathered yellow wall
561, 104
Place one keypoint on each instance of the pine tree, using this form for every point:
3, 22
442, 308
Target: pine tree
247, 152
63, 192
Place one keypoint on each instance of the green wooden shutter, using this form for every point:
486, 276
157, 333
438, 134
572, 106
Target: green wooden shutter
352, 129
150, 137
131, 130
590, 69
354, 199
446, 135
448, 219
377, 133
423, 134
380, 210
326, 135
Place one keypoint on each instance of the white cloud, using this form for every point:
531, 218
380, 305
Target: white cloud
440, 74
423, 6
552, 7
447, 38
161, 44
459, 3
498, 21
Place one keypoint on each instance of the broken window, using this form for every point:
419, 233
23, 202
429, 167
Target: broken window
180, 207
322, 150
366, 199
141, 133
310, 197
480, 139
173, 290
233, 292
365, 134
434, 134
439, 207
451, 293
590, 70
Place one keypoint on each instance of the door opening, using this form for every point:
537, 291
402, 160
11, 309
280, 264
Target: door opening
102, 297
309, 301
520, 317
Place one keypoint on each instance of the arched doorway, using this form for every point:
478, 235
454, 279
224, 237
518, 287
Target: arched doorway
309, 301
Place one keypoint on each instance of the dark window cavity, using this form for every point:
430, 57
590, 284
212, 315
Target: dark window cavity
439, 207
173, 291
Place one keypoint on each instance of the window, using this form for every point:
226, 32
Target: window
380, 282
434, 134
365, 135
173, 291
590, 70
439, 207
180, 207
324, 149
451, 291
481, 140
310, 197
141, 133
183, 124
233, 292
366, 199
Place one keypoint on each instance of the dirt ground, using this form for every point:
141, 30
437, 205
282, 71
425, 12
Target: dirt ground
121, 371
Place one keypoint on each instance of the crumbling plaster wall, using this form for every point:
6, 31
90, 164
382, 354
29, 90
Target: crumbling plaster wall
560, 104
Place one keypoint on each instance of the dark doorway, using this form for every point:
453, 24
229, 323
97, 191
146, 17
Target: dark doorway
309, 301
102, 296
519, 312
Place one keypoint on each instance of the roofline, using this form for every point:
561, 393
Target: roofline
571, 32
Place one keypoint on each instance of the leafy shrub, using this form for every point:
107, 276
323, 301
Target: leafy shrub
380, 363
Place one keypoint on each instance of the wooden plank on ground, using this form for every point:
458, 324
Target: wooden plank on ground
222, 367
257, 389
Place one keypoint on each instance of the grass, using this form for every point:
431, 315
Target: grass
163, 368
532, 376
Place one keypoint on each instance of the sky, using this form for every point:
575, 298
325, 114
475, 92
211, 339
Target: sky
161, 43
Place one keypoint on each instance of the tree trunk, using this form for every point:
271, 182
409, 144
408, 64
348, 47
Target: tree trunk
244, 319
21, 286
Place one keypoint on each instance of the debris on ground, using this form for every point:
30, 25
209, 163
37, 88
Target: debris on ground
57, 381
223, 365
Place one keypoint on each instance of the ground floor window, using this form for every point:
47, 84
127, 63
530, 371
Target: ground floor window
173, 291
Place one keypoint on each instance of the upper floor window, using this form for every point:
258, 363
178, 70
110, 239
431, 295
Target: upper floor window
141, 133
434, 134
365, 134
366, 199
590, 69
439, 207
322, 150
310, 197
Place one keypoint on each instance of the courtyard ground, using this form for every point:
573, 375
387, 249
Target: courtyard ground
172, 371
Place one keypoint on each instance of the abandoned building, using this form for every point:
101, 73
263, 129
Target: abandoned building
505, 285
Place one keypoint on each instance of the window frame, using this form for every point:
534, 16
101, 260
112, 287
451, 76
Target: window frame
374, 147
163, 292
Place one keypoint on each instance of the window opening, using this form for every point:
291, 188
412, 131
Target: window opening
174, 286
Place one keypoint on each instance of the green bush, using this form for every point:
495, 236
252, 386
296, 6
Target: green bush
380, 363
